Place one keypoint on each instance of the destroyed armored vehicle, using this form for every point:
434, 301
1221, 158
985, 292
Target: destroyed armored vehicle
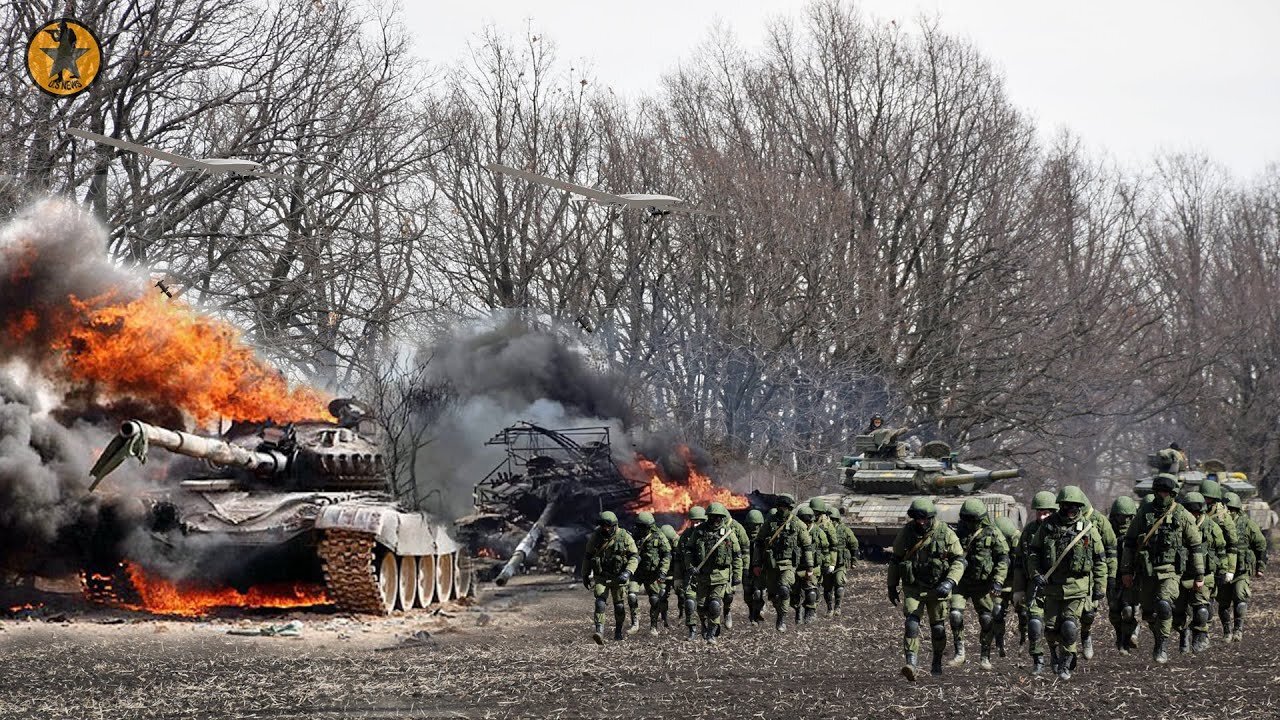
884, 476
1174, 462
306, 502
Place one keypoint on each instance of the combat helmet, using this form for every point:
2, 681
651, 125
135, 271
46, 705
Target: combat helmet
1166, 482
1072, 494
644, 518
1044, 500
1124, 505
818, 505
922, 508
717, 509
1194, 502
755, 517
973, 509
1211, 490
786, 500
805, 512
697, 513
607, 518
670, 533
1233, 501
1006, 527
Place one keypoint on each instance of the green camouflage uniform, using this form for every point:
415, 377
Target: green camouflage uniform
752, 583
668, 583
1111, 547
986, 567
804, 593
846, 555
712, 561
1251, 560
744, 560
604, 562
650, 575
1011, 538
1031, 607
686, 594
782, 548
1122, 602
1071, 574
1191, 608
928, 562
1163, 544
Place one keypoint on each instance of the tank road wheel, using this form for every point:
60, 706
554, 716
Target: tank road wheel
408, 581
359, 576
388, 581
426, 580
445, 576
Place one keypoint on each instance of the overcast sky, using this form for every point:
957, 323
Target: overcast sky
1131, 77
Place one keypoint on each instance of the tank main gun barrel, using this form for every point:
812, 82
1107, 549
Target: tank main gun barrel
135, 436
945, 481
526, 546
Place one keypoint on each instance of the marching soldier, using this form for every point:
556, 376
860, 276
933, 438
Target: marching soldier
1027, 598
1069, 561
744, 560
610, 559
668, 583
1163, 544
928, 562
651, 572
783, 548
986, 564
712, 562
1111, 546
752, 585
847, 544
1121, 602
686, 594
804, 594
1233, 595
1194, 599
1011, 538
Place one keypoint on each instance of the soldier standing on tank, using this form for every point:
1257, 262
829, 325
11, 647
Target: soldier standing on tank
1163, 545
928, 562
1029, 599
1069, 561
752, 584
1011, 538
1111, 545
610, 559
986, 564
712, 562
804, 592
651, 572
847, 544
686, 594
668, 583
1121, 602
784, 547
744, 560
1191, 609
1251, 561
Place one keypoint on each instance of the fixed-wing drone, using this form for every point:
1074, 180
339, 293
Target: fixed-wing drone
215, 166
655, 204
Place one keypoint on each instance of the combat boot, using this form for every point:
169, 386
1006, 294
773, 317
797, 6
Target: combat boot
1000, 645
1237, 632
1226, 628
781, 624
958, 659
1086, 645
808, 615
936, 668
1065, 663
727, 620
619, 631
1037, 664
1184, 640
1199, 641
985, 661
598, 635
1158, 653
1122, 646
692, 633
909, 666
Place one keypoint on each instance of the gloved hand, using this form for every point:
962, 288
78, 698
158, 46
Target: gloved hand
1098, 594
1230, 577
756, 571
1019, 597
586, 581
1039, 581
944, 588
894, 597
830, 569
624, 577
1126, 581
996, 588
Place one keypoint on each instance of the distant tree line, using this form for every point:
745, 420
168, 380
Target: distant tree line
897, 238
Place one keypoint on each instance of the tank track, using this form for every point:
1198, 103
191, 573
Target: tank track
349, 577
112, 590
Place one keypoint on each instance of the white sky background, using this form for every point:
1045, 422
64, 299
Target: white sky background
1130, 77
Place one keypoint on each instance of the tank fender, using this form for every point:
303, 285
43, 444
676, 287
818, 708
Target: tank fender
382, 523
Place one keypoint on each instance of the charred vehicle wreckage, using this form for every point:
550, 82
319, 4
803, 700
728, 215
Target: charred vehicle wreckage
304, 502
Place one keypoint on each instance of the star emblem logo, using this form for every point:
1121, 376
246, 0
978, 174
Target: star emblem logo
63, 57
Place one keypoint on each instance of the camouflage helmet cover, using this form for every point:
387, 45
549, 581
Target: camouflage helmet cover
818, 505
608, 518
717, 509
644, 518
697, 513
1044, 500
805, 511
973, 508
755, 517
1211, 490
1072, 494
1166, 482
1124, 505
922, 508
1193, 501
1233, 501
786, 500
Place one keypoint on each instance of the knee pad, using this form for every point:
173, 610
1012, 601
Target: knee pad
986, 620
938, 632
633, 599
811, 594
619, 609
839, 591
1035, 628
1164, 610
728, 600
1087, 617
601, 605
783, 592
654, 599
690, 607
1023, 614
957, 620
912, 628
1202, 614
714, 607
1069, 629
1126, 612
1240, 607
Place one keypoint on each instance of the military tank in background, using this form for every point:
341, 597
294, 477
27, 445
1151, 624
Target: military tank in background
306, 502
884, 476
1190, 476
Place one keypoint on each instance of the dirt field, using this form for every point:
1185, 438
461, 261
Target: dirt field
525, 652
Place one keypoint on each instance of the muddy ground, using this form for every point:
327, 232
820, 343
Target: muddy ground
524, 652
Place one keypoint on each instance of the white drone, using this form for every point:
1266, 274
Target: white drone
214, 166
655, 204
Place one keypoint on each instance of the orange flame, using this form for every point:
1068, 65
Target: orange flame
669, 496
163, 597
158, 350
486, 553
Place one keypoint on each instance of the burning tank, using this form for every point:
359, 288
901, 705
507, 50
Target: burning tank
305, 502
885, 476
1173, 462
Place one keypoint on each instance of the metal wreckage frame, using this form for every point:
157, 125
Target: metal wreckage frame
553, 478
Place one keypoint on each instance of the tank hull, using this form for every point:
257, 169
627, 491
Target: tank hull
876, 519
